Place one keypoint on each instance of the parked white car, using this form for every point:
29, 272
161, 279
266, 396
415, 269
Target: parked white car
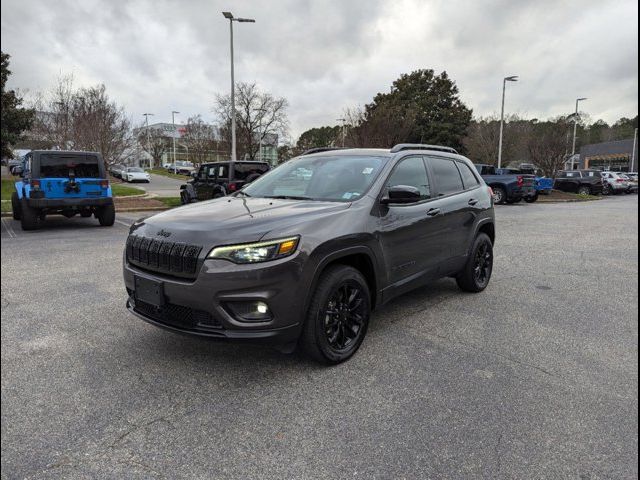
135, 174
614, 184
181, 168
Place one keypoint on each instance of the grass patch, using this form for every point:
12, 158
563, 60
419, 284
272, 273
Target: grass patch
7, 189
170, 201
165, 173
124, 191
5, 205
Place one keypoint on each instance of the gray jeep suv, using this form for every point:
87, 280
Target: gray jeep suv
302, 255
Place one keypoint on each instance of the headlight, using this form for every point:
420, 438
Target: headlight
256, 252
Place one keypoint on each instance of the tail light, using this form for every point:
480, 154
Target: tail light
620, 180
520, 181
104, 183
233, 187
35, 183
490, 191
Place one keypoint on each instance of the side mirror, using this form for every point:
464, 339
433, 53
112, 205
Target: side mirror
401, 194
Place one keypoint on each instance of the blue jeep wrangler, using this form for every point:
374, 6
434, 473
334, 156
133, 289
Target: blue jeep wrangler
62, 182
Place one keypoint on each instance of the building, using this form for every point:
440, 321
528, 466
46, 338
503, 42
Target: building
169, 132
614, 156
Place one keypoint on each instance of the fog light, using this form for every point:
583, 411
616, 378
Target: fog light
250, 311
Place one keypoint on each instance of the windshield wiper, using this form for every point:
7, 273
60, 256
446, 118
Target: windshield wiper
289, 197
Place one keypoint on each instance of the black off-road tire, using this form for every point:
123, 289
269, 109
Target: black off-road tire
468, 279
314, 339
106, 215
30, 218
15, 206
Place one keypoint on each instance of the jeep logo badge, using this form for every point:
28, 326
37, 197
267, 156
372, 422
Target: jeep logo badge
164, 233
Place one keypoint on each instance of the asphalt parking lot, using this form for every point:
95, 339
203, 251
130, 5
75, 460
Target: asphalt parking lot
537, 377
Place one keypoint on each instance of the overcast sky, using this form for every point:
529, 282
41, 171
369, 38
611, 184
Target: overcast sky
162, 55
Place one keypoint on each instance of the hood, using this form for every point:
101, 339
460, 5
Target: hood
235, 220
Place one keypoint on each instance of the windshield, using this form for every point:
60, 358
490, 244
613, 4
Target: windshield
53, 165
330, 178
134, 169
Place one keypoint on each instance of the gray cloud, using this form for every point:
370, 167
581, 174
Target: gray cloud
323, 56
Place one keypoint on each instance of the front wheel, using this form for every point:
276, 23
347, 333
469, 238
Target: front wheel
476, 274
531, 199
584, 190
15, 206
338, 315
106, 215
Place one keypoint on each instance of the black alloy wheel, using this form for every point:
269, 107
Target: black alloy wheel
337, 316
344, 315
476, 274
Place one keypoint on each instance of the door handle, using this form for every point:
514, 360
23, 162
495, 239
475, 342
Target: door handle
432, 212
473, 201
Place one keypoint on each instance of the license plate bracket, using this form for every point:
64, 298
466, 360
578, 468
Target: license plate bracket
149, 291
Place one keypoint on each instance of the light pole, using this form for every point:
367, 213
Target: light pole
342, 129
513, 78
146, 116
232, 19
173, 122
575, 129
633, 153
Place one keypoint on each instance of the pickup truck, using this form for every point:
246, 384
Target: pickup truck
508, 187
544, 185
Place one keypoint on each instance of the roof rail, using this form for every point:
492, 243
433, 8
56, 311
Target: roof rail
419, 146
321, 149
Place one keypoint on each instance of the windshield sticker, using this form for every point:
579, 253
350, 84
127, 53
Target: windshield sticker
367, 171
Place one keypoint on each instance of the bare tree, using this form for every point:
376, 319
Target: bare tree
547, 145
382, 126
153, 142
200, 138
259, 116
83, 119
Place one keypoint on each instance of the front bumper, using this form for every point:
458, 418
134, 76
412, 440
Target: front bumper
69, 202
198, 306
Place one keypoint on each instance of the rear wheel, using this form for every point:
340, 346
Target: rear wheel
338, 315
30, 218
531, 199
476, 274
499, 195
584, 190
606, 189
106, 215
15, 206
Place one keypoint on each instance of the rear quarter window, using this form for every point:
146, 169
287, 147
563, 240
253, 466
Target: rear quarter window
469, 180
445, 176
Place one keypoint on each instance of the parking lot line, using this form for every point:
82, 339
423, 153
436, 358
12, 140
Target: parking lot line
8, 227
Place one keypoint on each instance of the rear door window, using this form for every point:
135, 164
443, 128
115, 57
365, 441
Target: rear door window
244, 170
54, 165
445, 176
469, 180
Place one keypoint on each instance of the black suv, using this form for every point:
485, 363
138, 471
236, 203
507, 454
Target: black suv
585, 182
215, 180
303, 254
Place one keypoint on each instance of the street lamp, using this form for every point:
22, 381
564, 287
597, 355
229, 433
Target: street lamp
513, 78
342, 129
575, 128
173, 121
146, 116
232, 19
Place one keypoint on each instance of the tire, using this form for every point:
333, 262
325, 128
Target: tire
584, 190
326, 337
15, 206
184, 199
106, 215
532, 199
499, 195
606, 189
30, 218
476, 274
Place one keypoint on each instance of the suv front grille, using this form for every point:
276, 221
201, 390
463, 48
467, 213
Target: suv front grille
161, 256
